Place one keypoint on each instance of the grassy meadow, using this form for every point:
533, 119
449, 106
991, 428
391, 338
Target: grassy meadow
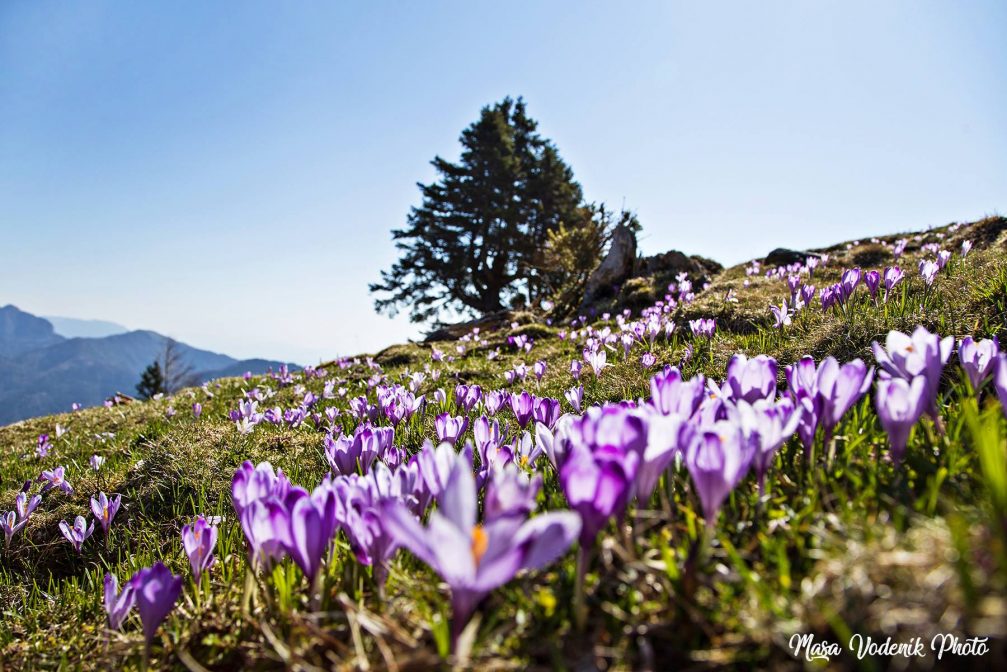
848, 542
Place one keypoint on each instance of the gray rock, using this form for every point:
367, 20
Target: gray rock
615, 267
673, 262
781, 256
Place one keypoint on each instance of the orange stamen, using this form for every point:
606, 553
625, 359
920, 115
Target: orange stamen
480, 542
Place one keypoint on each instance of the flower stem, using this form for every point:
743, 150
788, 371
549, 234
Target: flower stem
579, 606
707, 541
246, 601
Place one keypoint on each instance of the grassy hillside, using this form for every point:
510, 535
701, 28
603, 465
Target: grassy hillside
849, 542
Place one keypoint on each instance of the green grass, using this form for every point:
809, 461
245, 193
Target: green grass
848, 544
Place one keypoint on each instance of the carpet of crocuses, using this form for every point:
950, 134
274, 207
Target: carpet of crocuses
814, 449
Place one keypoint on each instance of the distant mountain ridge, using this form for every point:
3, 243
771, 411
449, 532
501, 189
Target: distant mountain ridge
42, 372
21, 332
72, 327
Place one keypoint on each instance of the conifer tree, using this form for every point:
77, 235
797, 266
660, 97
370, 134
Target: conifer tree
151, 381
474, 244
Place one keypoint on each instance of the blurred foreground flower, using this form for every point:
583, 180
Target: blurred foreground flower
475, 558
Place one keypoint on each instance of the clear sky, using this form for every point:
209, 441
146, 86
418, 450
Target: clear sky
229, 173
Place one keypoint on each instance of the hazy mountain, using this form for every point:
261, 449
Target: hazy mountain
21, 332
71, 327
41, 372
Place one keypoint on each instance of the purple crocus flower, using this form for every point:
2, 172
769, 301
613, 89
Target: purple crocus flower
374, 442
781, 316
539, 369
363, 411
449, 428
258, 494
1000, 379
312, 520
872, 279
266, 524
662, 446
793, 284
197, 410
978, 359
486, 433
596, 359
342, 453
751, 379
807, 294
828, 297
848, 283
704, 326
900, 247
362, 521
524, 451
156, 591
11, 525
928, 271
922, 354
555, 442
670, 394
118, 605
472, 558
839, 387
546, 410
575, 368
199, 539
768, 425
523, 406
966, 248
900, 404
599, 469
893, 276
104, 509
510, 492
96, 461
295, 416
823, 394
575, 395
43, 446
943, 257
24, 506
435, 464
77, 534
493, 401
467, 396
273, 416
56, 478
717, 457
494, 455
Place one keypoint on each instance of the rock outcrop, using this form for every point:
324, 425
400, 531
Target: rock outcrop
673, 262
781, 256
616, 267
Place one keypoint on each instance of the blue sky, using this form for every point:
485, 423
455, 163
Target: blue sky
229, 173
